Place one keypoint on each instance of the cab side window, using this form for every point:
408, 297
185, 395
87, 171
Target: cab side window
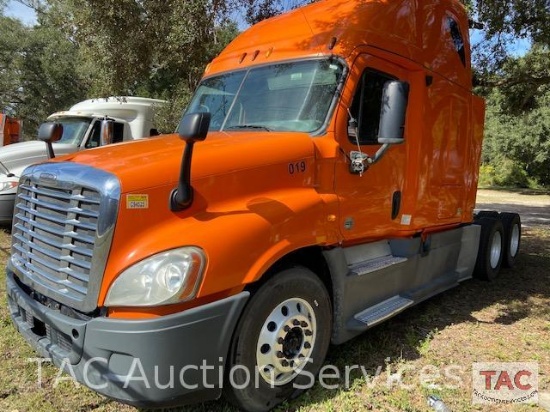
95, 137
118, 132
366, 106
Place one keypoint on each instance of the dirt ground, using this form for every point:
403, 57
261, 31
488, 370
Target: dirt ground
534, 209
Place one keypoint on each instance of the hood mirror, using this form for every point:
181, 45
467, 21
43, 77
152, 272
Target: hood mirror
49, 133
192, 128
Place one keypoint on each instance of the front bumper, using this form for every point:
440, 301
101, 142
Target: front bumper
161, 362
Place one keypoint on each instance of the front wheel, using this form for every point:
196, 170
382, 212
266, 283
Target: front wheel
280, 342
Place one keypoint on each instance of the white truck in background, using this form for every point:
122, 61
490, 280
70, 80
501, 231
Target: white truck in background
88, 124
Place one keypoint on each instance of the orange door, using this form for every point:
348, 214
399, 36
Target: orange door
371, 204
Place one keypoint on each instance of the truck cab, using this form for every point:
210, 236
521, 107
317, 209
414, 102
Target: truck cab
131, 118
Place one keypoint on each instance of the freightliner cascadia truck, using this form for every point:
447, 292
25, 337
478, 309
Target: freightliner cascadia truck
323, 179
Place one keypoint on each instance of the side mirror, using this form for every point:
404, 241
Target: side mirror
107, 132
395, 98
192, 128
50, 132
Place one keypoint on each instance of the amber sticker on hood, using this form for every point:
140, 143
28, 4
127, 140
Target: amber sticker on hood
137, 201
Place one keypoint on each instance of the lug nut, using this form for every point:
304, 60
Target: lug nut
285, 363
296, 322
304, 324
308, 333
291, 364
307, 345
280, 341
287, 328
280, 355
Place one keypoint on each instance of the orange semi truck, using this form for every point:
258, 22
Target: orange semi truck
323, 179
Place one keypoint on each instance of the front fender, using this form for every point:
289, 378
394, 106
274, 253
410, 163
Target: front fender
241, 241
275, 224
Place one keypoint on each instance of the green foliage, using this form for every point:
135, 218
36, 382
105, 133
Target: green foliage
504, 172
39, 72
258, 10
517, 143
521, 19
143, 47
505, 22
521, 81
516, 148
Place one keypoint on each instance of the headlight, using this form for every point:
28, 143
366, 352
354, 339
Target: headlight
168, 277
8, 185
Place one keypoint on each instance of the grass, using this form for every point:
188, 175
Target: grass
432, 346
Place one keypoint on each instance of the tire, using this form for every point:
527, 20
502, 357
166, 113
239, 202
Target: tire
491, 249
487, 213
512, 238
281, 340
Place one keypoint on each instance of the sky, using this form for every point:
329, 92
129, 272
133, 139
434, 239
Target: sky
23, 13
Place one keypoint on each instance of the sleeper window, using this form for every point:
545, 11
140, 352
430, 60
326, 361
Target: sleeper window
456, 36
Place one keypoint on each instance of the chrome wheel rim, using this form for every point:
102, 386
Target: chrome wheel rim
286, 341
514, 241
496, 249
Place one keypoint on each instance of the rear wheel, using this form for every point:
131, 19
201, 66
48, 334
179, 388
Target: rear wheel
491, 248
512, 235
280, 342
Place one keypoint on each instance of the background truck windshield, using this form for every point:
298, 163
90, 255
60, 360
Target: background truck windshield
74, 129
292, 96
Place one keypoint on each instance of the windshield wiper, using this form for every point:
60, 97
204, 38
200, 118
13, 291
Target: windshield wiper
248, 126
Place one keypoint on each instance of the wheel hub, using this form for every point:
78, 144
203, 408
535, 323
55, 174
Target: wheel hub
292, 343
286, 341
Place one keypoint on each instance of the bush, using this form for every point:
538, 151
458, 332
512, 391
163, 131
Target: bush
486, 176
505, 173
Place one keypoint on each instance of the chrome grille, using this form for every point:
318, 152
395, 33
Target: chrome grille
55, 234
62, 230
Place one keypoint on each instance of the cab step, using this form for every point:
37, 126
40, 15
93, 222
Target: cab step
372, 265
384, 310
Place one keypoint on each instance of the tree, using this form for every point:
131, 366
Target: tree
517, 126
504, 23
146, 47
38, 72
517, 135
258, 10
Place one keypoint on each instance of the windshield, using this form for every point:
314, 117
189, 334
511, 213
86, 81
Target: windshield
292, 96
74, 129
